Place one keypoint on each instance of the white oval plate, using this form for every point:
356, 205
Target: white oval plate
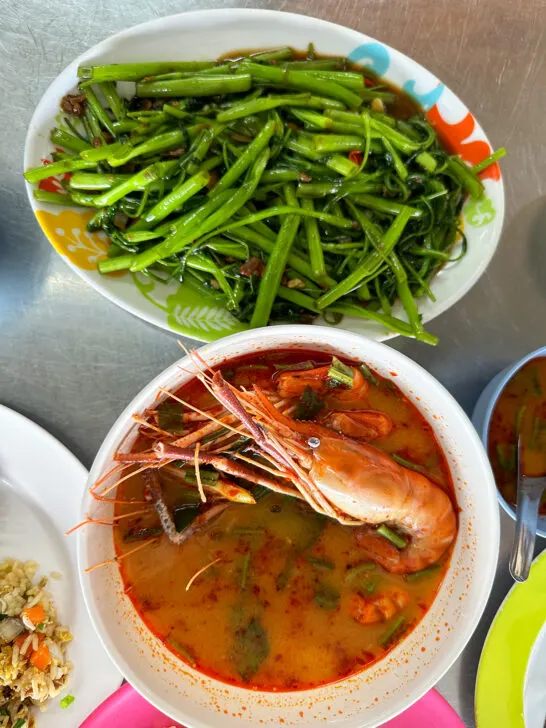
41, 487
207, 34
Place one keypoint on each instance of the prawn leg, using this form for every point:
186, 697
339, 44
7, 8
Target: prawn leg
223, 464
153, 485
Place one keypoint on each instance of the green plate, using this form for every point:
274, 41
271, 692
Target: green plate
501, 673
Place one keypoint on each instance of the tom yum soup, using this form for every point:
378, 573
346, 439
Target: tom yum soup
520, 412
285, 498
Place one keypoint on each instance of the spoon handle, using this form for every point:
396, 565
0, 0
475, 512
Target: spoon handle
526, 526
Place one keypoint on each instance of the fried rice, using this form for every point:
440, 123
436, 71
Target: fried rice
33, 663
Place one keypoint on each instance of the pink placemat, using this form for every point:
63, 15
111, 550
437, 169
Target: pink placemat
432, 711
127, 709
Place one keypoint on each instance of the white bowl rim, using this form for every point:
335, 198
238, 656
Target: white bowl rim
505, 376
476, 609
439, 307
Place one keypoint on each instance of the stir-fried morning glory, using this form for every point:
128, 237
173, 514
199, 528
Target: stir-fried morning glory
285, 186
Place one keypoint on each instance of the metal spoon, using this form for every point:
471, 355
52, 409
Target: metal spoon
529, 494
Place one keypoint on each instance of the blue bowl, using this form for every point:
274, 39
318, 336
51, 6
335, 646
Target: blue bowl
481, 417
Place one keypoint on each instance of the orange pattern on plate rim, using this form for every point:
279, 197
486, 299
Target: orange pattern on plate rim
67, 232
454, 138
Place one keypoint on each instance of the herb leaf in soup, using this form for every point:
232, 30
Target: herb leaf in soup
184, 515
251, 645
309, 405
298, 366
208, 477
359, 570
408, 464
367, 587
367, 373
281, 582
259, 492
321, 563
327, 597
170, 417
186, 495
245, 568
186, 654
394, 628
423, 573
340, 374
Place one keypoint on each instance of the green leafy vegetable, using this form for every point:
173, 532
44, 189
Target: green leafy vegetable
408, 464
184, 651
399, 541
254, 367
170, 417
187, 494
245, 566
367, 587
281, 582
367, 372
340, 374
214, 435
539, 425
506, 455
184, 515
204, 172
208, 477
393, 630
327, 597
417, 575
251, 647
320, 563
520, 417
299, 366
259, 492
359, 570
308, 406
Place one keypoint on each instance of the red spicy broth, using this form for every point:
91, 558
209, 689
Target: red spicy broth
282, 574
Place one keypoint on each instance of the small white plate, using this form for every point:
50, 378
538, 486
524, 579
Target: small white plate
41, 487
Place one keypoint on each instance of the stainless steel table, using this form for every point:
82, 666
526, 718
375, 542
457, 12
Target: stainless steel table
71, 360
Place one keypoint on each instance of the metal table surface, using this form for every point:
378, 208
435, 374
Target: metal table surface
71, 360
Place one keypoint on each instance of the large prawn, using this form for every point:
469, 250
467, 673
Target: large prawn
343, 478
